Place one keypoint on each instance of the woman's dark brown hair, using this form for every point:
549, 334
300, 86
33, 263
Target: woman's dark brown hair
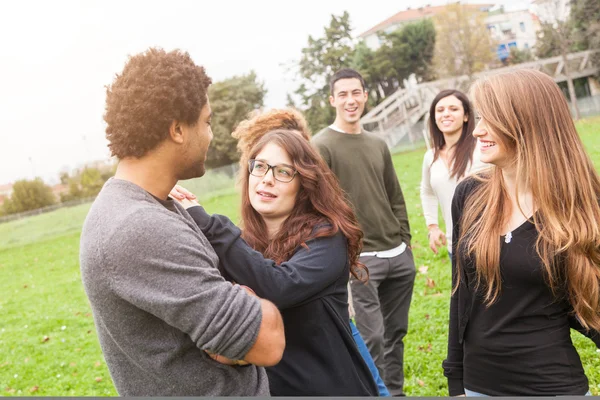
320, 203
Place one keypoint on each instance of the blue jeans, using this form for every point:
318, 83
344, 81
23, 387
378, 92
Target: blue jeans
364, 352
471, 393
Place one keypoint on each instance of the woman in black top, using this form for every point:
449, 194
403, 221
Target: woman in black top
299, 245
526, 265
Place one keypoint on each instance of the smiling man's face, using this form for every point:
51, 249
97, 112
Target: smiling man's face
349, 99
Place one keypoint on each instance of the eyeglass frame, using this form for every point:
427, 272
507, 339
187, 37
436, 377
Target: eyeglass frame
272, 168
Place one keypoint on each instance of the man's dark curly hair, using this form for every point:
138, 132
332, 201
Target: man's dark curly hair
154, 89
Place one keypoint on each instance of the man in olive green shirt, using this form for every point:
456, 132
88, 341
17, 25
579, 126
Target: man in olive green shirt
363, 165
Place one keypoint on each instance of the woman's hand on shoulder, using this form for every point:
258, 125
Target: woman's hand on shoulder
186, 198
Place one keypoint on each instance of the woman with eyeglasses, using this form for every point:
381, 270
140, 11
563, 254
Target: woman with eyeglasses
299, 244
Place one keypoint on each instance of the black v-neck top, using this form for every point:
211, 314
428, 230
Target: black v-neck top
521, 344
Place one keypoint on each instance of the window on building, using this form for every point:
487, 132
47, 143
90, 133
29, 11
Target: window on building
522, 26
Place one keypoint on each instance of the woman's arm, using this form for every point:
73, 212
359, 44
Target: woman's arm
429, 203
453, 365
305, 275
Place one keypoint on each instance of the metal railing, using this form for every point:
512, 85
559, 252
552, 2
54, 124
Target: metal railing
395, 117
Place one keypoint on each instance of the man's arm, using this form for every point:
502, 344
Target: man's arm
161, 265
395, 196
270, 341
324, 151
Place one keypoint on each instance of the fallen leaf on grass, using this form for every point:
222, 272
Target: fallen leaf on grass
34, 389
98, 379
430, 283
24, 286
45, 339
9, 390
26, 360
427, 316
97, 364
420, 382
423, 269
72, 364
426, 349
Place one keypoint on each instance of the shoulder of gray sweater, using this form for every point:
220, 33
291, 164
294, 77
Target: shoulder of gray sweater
126, 214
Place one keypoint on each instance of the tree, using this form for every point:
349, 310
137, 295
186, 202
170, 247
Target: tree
321, 58
91, 182
548, 42
86, 182
585, 21
519, 56
463, 42
404, 52
64, 178
29, 195
558, 31
417, 56
231, 100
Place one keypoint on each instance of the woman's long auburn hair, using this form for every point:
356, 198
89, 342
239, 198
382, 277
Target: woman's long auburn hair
528, 113
320, 200
463, 149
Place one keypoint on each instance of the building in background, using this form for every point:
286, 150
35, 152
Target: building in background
513, 29
396, 21
551, 10
516, 29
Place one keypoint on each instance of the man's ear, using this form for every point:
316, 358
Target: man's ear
176, 132
331, 101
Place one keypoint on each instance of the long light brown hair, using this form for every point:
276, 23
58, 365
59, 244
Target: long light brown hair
320, 200
530, 116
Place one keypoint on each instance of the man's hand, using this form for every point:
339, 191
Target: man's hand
224, 360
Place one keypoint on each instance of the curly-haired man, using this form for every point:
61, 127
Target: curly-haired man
169, 324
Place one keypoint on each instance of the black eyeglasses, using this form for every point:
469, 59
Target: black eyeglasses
282, 172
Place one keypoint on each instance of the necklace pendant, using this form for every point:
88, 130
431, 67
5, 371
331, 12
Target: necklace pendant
508, 237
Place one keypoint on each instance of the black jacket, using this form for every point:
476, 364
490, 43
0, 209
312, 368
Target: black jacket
310, 290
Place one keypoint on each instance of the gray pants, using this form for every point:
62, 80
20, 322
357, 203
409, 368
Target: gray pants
382, 313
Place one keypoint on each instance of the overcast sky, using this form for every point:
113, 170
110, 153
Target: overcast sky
57, 56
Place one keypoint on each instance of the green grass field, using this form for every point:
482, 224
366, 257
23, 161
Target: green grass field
48, 345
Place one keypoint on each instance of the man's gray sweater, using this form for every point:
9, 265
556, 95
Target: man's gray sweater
159, 300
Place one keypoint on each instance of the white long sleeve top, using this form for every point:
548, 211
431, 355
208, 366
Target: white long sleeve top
437, 188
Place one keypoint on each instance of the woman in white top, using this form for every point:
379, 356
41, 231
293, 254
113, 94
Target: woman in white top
453, 155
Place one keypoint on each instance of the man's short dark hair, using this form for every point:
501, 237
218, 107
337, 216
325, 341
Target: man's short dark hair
154, 89
346, 73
